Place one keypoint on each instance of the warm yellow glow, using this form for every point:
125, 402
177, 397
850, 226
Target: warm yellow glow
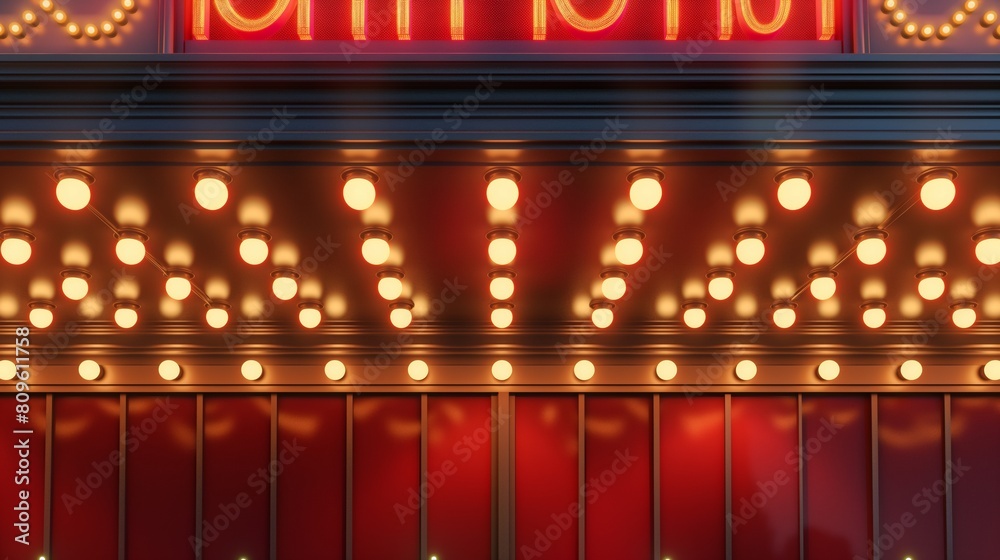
645, 193
823, 287
169, 370
725, 20
931, 288
358, 23
109, 29
211, 193
126, 318
613, 288
335, 370
695, 317
502, 193
457, 20
73, 193
284, 287
872, 250
418, 370
243, 23
828, 370
945, 31
60, 17
971, 5
91, 31
937, 193
573, 17
958, 18
89, 370
217, 317
502, 317
73, 30
828, 20
794, 193
502, 250
755, 25
784, 317
403, 20
750, 250
253, 250
628, 250
584, 370
909, 30
673, 17
721, 287
119, 16
602, 317
359, 193
390, 288
47, 5
874, 318
129, 5
989, 18
41, 317
963, 317
898, 17
666, 370
7, 370
502, 288
889, 5
310, 317
910, 370
746, 370
375, 250
502, 370
400, 317
130, 250
926, 32
988, 251
178, 288
252, 370
15, 250
991, 370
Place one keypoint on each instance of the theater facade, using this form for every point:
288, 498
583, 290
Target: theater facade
500, 279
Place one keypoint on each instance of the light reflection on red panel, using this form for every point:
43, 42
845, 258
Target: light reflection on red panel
836, 450
459, 464
85, 459
619, 476
386, 475
311, 490
975, 452
160, 477
19, 479
765, 521
692, 477
546, 469
910, 462
237, 448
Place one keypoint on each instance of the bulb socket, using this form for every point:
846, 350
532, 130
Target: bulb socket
793, 173
749, 233
502, 233
376, 233
212, 173
629, 233
359, 173
503, 173
645, 173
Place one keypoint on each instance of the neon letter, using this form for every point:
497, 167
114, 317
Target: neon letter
574, 18
200, 17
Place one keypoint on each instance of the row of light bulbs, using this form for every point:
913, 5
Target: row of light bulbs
108, 28
909, 29
502, 194
502, 370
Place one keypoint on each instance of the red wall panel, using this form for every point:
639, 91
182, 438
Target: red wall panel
28, 476
546, 471
836, 452
312, 433
160, 477
911, 476
458, 488
692, 477
975, 456
619, 477
236, 495
765, 522
386, 470
85, 459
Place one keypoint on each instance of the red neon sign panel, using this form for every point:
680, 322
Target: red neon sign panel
515, 20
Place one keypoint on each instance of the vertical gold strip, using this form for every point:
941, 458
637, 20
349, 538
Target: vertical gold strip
725, 20
403, 19
305, 19
673, 16
828, 20
539, 19
199, 19
358, 20
457, 20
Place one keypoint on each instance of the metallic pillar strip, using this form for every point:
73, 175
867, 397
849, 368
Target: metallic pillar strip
47, 513
122, 427
862, 42
274, 481
581, 432
948, 512
656, 477
349, 480
802, 498
199, 462
423, 474
874, 438
729, 475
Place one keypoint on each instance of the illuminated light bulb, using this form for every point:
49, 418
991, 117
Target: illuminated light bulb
73, 188
991, 370
874, 314
16, 245
17, 30
926, 32
74, 284
502, 315
178, 284
971, 5
750, 245
988, 246
73, 30
989, 18
930, 283
823, 284
41, 314
945, 31
963, 314
628, 246
720, 284
131, 247
169, 370
501, 189
502, 370
284, 286
253, 245
47, 6
119, 16
129, 5
794, 190
695, 315
375, 248
909, 30
3, 32
217, 315
828, 370
7, 370
937, 189
783, 315
29, 18
252, 370
335, 370
501, 284
418, 370
602, 316
390, 284
401, 314
871, 247
958, 18
309, 314
126, 314
910, 370
746, 370
613, 285
210, 189
996, 33
60, 17
889, 5
91, 30
359, 188
584, 370
646, 190
502, 249
89, 370
666, 370
109, 29
898, 17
